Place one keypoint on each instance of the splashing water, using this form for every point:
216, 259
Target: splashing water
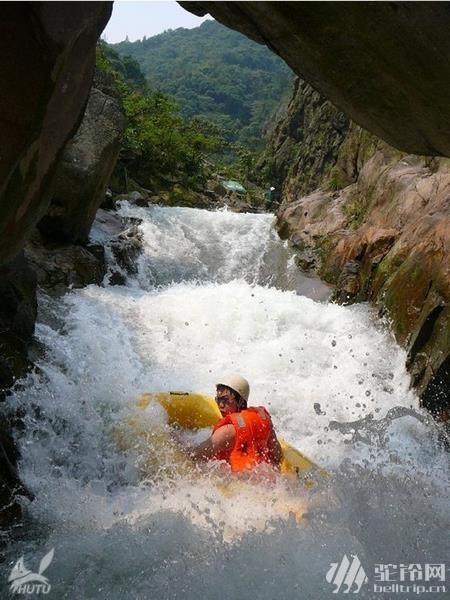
214, 292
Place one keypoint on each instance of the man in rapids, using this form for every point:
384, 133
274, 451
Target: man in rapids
244, 437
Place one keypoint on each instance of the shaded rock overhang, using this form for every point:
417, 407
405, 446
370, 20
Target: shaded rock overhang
385, 64
47, 62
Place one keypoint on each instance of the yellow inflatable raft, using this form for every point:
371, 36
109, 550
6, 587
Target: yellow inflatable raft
148, 434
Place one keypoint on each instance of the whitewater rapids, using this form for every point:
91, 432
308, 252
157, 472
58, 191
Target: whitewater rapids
217, 292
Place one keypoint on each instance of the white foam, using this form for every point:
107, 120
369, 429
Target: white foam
333, 379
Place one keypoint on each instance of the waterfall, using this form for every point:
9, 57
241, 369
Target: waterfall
214, 292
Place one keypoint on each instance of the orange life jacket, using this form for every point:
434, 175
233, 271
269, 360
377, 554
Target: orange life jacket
253, 427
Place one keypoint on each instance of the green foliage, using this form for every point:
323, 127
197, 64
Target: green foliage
336, 180
159, 146
124, 69
355, 210
235, 162
217, 74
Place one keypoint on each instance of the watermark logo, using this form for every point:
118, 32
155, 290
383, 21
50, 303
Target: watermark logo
411, 578
389, 578
25, 581
348, 574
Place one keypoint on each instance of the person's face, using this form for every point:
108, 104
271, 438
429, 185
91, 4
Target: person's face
226, 400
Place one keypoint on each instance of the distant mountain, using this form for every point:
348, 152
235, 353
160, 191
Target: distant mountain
216, 73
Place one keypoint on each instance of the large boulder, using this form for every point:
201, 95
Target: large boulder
18, 308
84, 170
385, 64
48, 58
60, 267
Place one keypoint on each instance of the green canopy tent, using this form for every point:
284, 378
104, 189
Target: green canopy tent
234, 186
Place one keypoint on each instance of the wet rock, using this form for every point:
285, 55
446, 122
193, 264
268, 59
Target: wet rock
108, 202
349, 284
10, 484
318, 409
306, 260
126, 248
83, 172
117, 278
106, 226
59, 268
18, 309
136, 198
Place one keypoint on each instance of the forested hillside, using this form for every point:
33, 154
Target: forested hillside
215, 73
160, 148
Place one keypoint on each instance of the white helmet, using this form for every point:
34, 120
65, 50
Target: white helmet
237, 384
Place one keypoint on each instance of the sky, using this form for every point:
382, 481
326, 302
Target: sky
148, 17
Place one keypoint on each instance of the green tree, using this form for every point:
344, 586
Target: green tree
159, 145
215, 73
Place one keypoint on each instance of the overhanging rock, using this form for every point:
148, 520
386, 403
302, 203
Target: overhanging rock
385, 64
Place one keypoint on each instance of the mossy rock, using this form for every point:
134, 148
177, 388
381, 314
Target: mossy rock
355, 211
328, 269
179, 195
337, 179
403, 296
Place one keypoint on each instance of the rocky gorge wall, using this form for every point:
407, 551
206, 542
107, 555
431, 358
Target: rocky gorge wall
303, 145
47, 66
376, 225
48, 58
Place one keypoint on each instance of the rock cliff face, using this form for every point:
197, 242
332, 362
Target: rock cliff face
51, 49
385, 64
384, 238
304, 144
55, 253
48, 56
84, 170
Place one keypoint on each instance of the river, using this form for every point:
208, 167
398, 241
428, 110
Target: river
217, 292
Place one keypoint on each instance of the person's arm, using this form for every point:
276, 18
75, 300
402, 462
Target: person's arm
221, 440
274, 448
